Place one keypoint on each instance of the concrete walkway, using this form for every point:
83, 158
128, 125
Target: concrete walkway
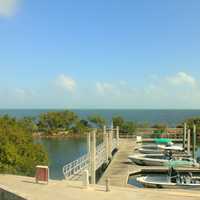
62, 190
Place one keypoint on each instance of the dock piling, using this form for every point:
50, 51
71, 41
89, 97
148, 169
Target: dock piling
184, 135
110, 136
188, 141
105, 138
117, 135
93, 158
194, 142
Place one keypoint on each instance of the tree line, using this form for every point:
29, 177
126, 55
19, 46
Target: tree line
68, 123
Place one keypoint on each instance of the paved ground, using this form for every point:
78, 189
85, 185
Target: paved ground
62, 190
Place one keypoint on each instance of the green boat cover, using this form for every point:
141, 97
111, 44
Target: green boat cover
162, 140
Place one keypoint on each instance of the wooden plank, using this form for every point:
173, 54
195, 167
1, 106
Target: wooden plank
118, 170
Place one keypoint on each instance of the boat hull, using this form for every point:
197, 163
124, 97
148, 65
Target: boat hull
166, 184
149, 151
159, 160
140, 160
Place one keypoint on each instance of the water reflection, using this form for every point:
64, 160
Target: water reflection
62, 151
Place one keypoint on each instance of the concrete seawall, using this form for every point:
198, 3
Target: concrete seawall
7, 194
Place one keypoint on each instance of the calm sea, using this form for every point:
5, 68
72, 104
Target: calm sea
63, 151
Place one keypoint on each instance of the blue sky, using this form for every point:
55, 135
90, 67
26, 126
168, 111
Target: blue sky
99, 54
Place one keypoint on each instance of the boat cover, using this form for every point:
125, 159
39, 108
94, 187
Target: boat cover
162, 140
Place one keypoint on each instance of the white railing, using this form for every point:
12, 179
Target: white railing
76, 167
100, 155
114, 144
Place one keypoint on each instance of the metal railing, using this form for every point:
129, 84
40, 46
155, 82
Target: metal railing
78, 166
114, 144
100, 155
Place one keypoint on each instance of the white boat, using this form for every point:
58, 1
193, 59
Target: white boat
160, 160
149, 151
157, 149
171, 181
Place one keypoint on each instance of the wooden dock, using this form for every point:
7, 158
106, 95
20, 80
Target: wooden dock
118, 170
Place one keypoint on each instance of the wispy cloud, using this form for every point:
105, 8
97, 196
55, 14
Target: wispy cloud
65, 82
180, 90
8, 7
103, 87
182, 78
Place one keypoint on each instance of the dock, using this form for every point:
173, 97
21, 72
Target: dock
120, 168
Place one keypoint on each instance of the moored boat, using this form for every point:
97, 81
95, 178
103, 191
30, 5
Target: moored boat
159, 148
161, 160
172, 180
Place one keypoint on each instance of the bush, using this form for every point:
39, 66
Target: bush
18, 153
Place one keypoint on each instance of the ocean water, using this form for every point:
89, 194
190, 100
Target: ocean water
170, 117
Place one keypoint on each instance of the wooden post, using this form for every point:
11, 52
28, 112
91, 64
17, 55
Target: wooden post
93, 158
184, 135
105, 138
110, 143
89, 150
194, 141
117, 135
188, 141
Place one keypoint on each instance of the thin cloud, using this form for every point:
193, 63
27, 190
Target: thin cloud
65, 82
182, 78
103, 88
8, 8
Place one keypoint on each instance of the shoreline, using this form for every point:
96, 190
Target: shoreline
58, 136
61, 136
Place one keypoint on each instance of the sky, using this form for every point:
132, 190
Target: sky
100, 54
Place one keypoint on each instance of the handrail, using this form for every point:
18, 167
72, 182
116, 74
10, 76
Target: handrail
77, 166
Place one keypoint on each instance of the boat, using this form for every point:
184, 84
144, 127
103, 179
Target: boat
159, 145
172, 180
161, 160
157, 149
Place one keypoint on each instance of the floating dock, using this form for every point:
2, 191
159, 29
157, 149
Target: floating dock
120, 168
